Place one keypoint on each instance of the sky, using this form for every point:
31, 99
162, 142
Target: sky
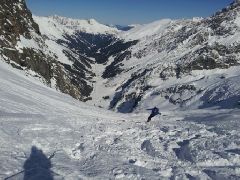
125, 12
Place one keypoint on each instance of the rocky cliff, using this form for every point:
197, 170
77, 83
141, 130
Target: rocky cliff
23, 46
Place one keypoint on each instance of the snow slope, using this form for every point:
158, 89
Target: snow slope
54, 32
141, 31
45, 134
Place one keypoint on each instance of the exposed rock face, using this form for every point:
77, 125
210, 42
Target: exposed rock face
15, 20
16, 27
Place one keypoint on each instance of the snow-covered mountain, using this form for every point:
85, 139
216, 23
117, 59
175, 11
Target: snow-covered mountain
82, 46
175, 62
188, 68
59, 26
172, 63
123, 27
166, 58
24, 47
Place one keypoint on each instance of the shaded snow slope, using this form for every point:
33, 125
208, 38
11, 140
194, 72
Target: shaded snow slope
45, 134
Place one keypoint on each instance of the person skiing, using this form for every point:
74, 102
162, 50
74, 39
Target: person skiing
155, 111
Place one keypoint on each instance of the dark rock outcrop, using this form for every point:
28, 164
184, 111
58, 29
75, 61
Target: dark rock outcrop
16, 23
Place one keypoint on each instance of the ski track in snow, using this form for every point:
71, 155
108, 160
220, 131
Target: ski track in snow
84, 142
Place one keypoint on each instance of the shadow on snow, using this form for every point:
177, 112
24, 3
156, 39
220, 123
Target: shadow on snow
37, 166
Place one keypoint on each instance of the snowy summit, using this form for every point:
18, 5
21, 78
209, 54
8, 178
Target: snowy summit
88, 26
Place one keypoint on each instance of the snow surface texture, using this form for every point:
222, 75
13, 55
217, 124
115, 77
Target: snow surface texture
45, 134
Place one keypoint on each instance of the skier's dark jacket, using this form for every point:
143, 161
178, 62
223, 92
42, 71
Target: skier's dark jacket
155, 111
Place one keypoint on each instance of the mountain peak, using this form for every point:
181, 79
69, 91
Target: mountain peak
93, 21
66, 20
91, 26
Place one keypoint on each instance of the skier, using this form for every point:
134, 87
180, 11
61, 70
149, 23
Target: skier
155, 111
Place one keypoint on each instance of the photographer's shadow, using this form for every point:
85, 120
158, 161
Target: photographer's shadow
37, 166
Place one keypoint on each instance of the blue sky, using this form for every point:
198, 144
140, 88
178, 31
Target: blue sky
125, 12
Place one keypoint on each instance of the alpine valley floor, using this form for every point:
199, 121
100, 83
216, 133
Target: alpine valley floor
47, 135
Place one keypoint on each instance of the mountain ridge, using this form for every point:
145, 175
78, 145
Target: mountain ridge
84, 25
